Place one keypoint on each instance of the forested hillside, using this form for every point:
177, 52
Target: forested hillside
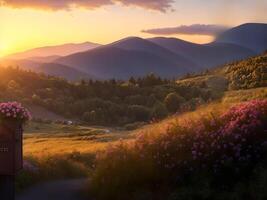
94, 102
135, 100
245, 74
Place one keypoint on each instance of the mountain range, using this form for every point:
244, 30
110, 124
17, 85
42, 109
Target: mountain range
53, 51
129, 57
133, 56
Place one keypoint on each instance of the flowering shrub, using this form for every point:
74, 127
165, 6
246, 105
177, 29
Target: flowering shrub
235, 139
227, 146
14, 111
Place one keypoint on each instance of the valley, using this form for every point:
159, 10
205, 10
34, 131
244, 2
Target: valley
133, 100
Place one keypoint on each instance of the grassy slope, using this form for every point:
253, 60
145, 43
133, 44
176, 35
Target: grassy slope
122, 164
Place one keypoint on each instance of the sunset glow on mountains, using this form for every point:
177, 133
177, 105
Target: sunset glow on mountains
30, 24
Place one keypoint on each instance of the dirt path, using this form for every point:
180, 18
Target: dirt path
57, 190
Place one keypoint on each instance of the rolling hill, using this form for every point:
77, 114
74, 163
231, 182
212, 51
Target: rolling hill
250, 35
46, 59
62, 71
59, 50
52, 69
207, 55
22, 63
246, 74
139, 44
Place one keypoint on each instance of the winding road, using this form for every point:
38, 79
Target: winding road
57, 190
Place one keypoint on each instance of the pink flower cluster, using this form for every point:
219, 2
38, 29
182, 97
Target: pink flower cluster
236, 137
227, 145
14, 111
233, 139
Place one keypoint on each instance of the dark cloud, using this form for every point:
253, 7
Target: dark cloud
159, 5
195, 29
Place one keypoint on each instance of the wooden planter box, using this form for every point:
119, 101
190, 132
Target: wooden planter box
11, 155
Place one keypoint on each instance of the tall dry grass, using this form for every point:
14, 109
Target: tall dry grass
211, 148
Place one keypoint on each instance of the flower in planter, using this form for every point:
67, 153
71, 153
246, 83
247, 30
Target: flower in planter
14, 111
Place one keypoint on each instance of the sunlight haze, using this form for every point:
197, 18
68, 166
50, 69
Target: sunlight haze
24, 27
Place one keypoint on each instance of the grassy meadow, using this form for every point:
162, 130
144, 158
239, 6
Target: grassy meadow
51, 139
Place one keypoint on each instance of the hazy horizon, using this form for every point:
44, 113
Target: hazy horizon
26, 25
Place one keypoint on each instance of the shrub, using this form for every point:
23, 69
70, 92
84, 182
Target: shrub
159, 111
217, 152
139, 113
173, 102
133, 126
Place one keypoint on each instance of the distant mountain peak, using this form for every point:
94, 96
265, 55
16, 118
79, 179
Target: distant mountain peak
250, 35
131, 39
205, 55
250, 24
56, 50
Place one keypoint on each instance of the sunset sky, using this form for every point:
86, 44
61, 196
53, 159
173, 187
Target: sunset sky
26, 24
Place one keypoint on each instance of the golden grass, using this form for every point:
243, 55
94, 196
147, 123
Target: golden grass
54, 139
52, 146
245, 95
60, 142
160, 127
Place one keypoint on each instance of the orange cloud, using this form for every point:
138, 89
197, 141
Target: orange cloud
159, 5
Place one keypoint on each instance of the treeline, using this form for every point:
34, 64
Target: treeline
111, 102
